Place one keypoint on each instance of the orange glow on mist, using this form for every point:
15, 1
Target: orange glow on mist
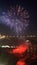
20, 49
20, 62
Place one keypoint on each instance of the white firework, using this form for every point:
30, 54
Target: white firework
17, 18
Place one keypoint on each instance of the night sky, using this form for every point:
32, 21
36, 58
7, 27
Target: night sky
31, 6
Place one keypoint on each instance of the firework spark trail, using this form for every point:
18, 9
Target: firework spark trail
16, 18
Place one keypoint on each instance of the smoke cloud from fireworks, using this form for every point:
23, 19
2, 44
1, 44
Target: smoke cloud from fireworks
16, 18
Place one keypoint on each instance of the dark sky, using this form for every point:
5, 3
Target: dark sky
28, 4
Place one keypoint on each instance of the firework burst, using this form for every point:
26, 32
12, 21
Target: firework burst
17, 18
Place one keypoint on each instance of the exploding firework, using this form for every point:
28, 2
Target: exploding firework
17, 18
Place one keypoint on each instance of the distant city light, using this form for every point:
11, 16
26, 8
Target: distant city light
1, 37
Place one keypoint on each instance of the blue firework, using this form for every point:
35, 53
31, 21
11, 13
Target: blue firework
17, 18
